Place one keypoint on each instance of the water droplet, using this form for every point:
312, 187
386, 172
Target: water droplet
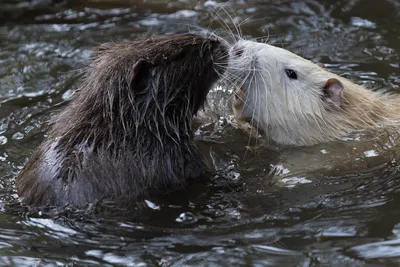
17, 136
323, 151
370, 153
3, 140
186, 217
152, 205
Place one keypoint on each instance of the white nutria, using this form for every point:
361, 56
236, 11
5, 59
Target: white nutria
296, 102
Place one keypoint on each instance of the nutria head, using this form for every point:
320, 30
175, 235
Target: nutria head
292, 100
127, 130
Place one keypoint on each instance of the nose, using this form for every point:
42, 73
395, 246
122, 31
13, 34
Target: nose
237, 50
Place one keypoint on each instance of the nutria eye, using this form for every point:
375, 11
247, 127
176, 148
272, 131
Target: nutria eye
291, 74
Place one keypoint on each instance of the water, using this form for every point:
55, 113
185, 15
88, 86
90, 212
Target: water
241, 216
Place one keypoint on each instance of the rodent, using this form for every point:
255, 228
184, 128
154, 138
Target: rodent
293, 101
127, 130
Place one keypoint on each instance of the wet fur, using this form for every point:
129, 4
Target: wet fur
127, 130
293, 112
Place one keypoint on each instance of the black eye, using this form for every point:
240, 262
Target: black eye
291, 74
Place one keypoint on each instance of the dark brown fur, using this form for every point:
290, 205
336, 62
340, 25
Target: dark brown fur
127, 130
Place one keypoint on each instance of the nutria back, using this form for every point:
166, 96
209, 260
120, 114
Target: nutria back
127, 130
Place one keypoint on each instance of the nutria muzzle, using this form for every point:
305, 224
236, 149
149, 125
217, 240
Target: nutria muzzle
127, 130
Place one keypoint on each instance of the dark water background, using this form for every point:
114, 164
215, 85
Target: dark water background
236, 219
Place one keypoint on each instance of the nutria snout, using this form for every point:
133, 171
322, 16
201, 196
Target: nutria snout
127, 130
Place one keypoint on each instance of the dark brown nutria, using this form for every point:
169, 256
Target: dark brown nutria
127, 131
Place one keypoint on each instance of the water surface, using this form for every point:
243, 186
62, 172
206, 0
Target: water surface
240, 217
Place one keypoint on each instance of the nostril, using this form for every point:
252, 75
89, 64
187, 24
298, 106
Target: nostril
237, 51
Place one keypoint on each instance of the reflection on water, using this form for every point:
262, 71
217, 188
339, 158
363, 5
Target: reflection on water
347, 215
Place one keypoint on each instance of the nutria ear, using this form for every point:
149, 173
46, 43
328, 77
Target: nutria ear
333, 92
139, 69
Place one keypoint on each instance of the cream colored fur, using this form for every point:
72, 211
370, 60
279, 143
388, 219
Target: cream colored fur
293, 112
